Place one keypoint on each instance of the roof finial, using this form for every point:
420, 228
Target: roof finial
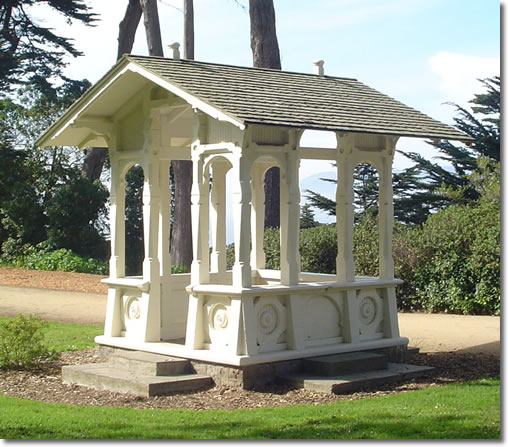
174, 47
318, 67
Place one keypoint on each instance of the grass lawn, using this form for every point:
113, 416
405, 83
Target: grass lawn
458, 411
68, 336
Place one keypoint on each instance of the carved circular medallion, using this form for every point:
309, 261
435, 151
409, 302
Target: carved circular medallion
132, 308
268, 318
218, 317
368, 310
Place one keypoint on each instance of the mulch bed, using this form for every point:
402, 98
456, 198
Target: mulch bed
46, 385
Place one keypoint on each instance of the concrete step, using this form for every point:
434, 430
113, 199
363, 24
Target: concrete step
146, 363
347, 383
102, 376
348, 363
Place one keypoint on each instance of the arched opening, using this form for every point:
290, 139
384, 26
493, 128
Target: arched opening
266, 239
219, 192
366, 221
134, 240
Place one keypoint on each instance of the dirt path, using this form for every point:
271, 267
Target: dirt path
53, 305
82, 299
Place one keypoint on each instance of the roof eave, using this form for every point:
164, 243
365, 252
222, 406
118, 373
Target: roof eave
125, 64
432, 136
67, 117
193, 100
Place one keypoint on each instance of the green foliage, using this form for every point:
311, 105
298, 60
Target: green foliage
366, 245
318, 249
307, 217
458, 260
176, 269
456, 411
60, 337
73, 212
30, 52
22, 344
271, 246
134, 253
42, 257
366, 192
437, 187
42, 195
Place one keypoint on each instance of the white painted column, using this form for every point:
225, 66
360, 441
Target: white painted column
151, 300
290, 221
386, 268
241, 195
117, 221
345, 226
345, 219
258, 259
200, 267
218, 217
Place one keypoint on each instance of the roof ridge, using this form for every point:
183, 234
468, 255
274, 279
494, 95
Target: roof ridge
192, 61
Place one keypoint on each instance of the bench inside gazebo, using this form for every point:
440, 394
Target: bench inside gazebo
151, 111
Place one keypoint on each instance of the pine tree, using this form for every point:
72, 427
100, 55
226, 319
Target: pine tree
427, 186
307, 217
30, 52
437, 187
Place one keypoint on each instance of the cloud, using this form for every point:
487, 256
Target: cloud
459, 73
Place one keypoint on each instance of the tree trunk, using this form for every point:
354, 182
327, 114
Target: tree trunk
152, 27
188, 29
96, 156
265, 54
94, 162
263, 36
181, 236
128, 27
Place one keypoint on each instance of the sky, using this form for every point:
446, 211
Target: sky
423, 53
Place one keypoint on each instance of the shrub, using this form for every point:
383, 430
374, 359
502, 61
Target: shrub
318, 249
457, 266
73, 213
22, 344
366, 245
175, 269
271, 245
42, 258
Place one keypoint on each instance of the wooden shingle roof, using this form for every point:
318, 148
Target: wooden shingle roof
308, 101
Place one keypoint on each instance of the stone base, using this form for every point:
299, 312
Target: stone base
257, 375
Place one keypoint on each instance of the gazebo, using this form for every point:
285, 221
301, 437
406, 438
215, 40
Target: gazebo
151, 111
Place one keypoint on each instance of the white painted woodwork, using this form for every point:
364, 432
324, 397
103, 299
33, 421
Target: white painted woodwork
345, 210
117, 221
250, 314
290, 220
200, 216
241, 204
386, 268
